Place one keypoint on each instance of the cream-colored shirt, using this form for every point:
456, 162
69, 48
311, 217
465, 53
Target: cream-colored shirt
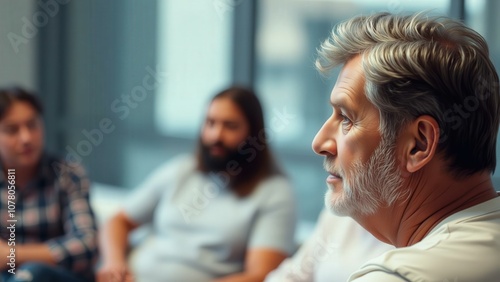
338, 247
465, 247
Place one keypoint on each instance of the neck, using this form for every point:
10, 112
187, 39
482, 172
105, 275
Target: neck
433, 198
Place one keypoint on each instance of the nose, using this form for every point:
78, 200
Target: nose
25, 134
215, 133
324, 143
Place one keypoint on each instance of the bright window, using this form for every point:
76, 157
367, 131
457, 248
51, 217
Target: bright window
194, 49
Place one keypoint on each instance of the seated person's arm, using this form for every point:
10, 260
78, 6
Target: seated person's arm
27, 252
114, 243
114, 234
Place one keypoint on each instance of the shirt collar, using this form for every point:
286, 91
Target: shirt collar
45, 173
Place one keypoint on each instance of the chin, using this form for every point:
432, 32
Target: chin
345, 203
336, 203
29, 161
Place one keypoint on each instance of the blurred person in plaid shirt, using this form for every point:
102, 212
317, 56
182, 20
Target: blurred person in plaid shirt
48, 230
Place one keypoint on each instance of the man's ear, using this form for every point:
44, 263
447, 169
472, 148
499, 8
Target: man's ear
421, 141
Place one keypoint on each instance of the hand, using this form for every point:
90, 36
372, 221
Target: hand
115, 272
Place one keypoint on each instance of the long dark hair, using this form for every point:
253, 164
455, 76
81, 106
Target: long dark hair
262, 164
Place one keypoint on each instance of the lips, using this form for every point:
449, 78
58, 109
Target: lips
335, 174
217, 150
333, 177
27, 151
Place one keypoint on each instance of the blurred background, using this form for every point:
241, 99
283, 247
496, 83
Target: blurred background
125, 83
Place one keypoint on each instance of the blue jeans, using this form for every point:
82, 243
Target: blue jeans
40, 272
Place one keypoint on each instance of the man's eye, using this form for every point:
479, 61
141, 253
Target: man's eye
9, 129
345, 119
232, 126
346, 123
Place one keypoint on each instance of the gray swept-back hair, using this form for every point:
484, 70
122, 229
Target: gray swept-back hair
420, 65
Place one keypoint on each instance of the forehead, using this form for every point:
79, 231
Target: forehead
19, 111
349, 88
224, 108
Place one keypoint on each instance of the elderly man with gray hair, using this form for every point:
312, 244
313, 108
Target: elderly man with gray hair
411, 145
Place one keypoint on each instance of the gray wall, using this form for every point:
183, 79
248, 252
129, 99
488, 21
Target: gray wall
17, 60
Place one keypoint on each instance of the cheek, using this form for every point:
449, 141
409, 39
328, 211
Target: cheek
236, 138
204, 135
346, 153
39, 136
353, 150
40, 140
7, 142
6, 147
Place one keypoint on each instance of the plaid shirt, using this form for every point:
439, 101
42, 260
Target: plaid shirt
54, 209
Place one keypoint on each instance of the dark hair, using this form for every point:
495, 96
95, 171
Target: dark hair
9, 96
263, 165
421, 65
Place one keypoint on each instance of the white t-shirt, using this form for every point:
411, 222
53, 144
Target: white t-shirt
338, 247
202, 230
465, 247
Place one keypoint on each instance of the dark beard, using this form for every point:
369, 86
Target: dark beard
216, 164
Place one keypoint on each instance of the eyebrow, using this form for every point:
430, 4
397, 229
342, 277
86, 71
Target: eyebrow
10, 123
341, 103
224, 121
